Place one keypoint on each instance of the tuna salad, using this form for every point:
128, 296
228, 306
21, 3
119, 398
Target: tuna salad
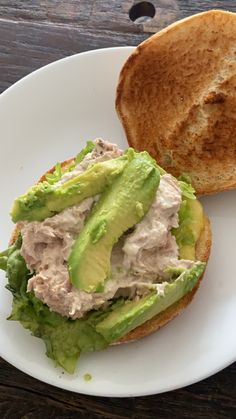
138, 261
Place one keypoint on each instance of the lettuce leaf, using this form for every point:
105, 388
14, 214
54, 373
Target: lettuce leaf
64, 338
87, 149
56, 175
3, 259
3, 263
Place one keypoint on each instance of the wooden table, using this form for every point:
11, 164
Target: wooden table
35, 33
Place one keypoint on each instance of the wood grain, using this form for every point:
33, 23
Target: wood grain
24, 397
35, 33
26, 46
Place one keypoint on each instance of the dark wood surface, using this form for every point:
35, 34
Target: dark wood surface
35, 33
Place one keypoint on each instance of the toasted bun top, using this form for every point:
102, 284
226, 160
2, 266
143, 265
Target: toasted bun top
176, 98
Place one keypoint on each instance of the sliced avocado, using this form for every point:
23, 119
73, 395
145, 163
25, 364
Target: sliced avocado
44, 200
134, 313
121, 206
191, 223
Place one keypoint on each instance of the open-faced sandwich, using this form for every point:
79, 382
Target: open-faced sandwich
107, 248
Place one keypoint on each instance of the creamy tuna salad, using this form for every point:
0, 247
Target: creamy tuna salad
103, 244
138, 261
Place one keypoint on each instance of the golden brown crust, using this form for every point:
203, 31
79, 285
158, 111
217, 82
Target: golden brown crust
203, 248
176, 98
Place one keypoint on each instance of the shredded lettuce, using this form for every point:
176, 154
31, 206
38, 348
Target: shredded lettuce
87, 149
56, 175
59, 170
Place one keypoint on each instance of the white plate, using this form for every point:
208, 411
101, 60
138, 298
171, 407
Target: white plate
48, 116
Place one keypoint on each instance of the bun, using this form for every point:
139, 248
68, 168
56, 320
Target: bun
176, 98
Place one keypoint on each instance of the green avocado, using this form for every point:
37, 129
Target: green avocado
45, 200
131, 314
191, 223
120, 207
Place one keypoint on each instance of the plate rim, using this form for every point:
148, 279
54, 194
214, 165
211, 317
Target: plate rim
165, 389
71, 57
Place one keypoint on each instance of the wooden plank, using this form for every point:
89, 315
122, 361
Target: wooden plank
26, 46
24, 397
50, 11
106, 14
36, 33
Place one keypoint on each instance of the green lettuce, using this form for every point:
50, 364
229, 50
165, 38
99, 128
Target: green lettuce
65, 339
87, 149
3, 260
56, 175
59, 170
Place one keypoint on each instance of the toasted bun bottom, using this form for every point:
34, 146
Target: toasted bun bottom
203, 248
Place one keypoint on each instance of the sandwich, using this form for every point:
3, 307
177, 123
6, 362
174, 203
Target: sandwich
107, 248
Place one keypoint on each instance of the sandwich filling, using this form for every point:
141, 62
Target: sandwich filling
105, 243
140, 260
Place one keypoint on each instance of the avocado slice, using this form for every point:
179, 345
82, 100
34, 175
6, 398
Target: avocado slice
191, 223
131, 314
121, 206
45, 200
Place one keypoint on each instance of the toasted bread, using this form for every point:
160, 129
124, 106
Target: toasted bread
203, 247
176, 98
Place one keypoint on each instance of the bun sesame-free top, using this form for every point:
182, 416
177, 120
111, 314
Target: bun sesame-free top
176, 98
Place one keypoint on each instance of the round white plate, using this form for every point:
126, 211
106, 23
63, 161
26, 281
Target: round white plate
47, 117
